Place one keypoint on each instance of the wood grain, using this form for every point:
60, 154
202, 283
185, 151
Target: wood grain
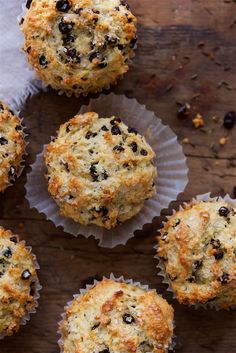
178, 39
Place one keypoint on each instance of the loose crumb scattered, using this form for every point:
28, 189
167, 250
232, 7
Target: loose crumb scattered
198, 121
223, 141
186, 140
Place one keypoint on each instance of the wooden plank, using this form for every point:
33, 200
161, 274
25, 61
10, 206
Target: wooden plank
186, 48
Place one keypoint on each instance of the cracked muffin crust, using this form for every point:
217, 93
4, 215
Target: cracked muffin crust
12, 146
79, 46
99, 170
198, 249
18, 278
117, 317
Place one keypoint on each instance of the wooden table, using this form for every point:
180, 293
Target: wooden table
186, 53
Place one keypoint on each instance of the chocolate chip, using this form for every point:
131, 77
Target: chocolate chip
14, 239
12, 171
104, 351
183, 110
134, 146
28, 49
219, 255
94, 55
164, 236
128, 319
96, 11
118, 148
90, 134
28, 3
132, 130
71, 52
103, 210
69, 38
104, 128
115, 130
1, 107
42, 60
64, 27
95, 326
68, 128
123, 3
93, 171
191, 279
3, 141
120, 46
177, 222
115, 120
63, 5
111, 40
26, 275
133, 42
224, 211
105, 175
229, 120
224, 278
197, 264
18, 128
215, 243
7, 253
117, 8
102, 64
143, 152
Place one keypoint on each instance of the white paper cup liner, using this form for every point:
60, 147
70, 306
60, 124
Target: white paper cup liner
36, 296
161, 264
120, 279
170, 162
24, 154
36, 85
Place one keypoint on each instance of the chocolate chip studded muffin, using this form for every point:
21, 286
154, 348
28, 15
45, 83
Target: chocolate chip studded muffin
117, 317
18, 279
12, 146
198, 249
99, 170
79, 46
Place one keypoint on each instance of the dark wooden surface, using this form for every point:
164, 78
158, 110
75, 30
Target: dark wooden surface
178, 39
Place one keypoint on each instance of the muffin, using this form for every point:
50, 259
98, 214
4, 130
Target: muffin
198, 249
18, 279
99, 170
117, 317
12, 146
79, 46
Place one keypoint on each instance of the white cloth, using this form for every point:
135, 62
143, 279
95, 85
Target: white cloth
17, 80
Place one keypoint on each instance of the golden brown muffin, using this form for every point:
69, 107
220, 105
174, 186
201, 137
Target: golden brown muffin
79, 46
198, 249
12, 146
99, 171
18, 280
117, 317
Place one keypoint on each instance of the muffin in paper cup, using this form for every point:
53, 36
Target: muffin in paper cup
196, 252
170, 163
18, 276
120, 309
93, 43
12, 146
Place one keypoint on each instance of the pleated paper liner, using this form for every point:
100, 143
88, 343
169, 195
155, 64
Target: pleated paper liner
36, 296
170, 162
161, 265
121, 280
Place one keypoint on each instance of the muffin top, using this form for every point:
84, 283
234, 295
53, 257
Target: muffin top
18, 278
12, 146
79, 46
99, 170
117, 317
198, 247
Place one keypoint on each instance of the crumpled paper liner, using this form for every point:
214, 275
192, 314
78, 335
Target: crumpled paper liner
17, 79
119, 279
36, 296
170, 162
161, 264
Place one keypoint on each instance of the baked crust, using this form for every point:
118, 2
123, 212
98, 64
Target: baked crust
117, 317
12, 146
82, 49
17, 282
99, 171
198, 247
